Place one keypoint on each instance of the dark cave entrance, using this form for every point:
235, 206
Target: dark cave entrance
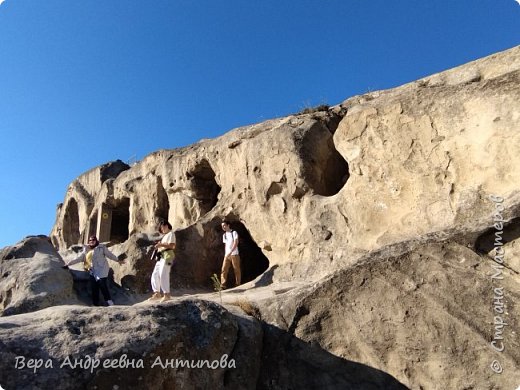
204, 185
324, 169
71, 233
120, 221
200, 252
163, 204
253, 261
487, 241
93, 225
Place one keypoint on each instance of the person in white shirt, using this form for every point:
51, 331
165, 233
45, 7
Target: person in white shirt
161, 273
95, 263
231, 256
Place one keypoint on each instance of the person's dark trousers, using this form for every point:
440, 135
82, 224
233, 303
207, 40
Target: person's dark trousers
95, 286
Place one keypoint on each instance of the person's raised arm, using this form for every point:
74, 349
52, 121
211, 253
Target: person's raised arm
109, 255
78, 259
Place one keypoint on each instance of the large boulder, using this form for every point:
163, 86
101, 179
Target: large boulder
430, 314
144, 341
187, 344
33, 277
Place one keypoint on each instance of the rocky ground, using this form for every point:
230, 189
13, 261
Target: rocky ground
399, 318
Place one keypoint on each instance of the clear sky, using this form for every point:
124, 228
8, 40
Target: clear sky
87, 82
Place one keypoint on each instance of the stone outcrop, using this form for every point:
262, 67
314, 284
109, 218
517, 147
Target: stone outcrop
317, 191
380, 244
32, 277
77, 217
152, 337
183, 345
425, 316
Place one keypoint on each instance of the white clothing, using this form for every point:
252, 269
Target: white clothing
161, 277
228, 239
168, 238
161, 272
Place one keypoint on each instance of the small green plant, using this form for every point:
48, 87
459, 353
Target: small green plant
217, 286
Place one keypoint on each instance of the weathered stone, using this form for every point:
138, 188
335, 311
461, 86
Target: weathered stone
32, 277
142, 346
427, 316
378, 264
399, 165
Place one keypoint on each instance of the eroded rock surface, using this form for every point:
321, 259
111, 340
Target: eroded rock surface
32, 277
380, 238
427, 316
188, 344
145, 335
319, 190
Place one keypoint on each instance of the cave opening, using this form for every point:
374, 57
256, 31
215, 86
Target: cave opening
253, 261
204, 186
93, 223
487, 241
163, 204
71, 233
324, 169
120, 221
200, 253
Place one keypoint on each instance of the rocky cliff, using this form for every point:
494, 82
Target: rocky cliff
379, 242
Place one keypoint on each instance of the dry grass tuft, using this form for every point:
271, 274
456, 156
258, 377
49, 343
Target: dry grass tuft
311, 110
249, 308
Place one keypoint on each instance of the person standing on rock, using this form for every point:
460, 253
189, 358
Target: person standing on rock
166, 254
96, 264
231, 256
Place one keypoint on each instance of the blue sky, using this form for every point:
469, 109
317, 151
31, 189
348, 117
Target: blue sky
87, 82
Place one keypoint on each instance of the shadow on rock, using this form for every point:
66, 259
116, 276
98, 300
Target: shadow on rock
290, 363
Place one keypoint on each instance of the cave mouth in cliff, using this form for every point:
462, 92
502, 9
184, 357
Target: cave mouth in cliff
204, 186
200, 252
324, 169
92, 226
163, 204
71, 233
253, 261
334, 173
487, 241
120, 221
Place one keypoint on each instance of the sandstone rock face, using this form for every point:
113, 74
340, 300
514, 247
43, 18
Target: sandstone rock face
392, 217
144, 342
320, 190
32, 277
188, 344
75, 220
426, 316
413, 157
